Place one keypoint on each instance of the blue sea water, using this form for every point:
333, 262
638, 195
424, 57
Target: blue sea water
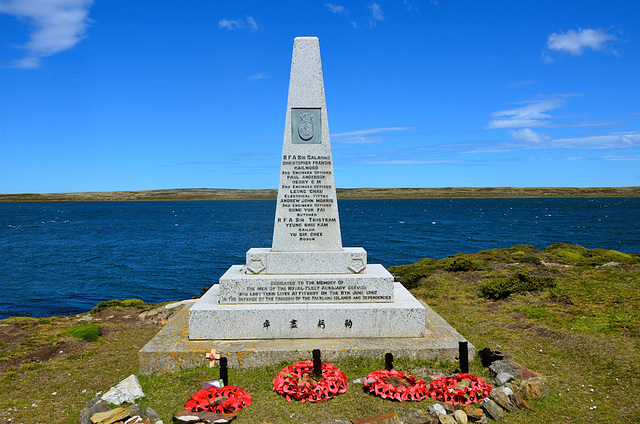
62, 258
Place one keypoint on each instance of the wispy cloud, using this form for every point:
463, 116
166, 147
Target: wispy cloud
621, 140
623, 158
532, 114
58, 25
375, 14
528, 136
366, 136
257, 76
576, 42
246, 23
334, 8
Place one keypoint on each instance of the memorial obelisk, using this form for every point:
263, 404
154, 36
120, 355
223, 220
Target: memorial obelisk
306, 285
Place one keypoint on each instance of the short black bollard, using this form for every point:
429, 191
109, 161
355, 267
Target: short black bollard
224, 371
388, 361
317, 364
463, 355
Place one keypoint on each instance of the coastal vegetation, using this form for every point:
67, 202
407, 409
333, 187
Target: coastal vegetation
342, 193
567, 312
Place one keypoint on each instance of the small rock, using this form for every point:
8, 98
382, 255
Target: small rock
516, 370
186, 417
501, 397
126, 391
488, 356
111, 416
472, 412
460, 416
428, 419
492, 409
521, 403
151, 414
135, 410
379, 419
483, 419
535, 388
437, 409
446, 419
502, 379
136, 419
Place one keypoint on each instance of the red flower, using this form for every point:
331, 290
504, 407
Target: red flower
226, 400
295, 382
411, 388
444, 389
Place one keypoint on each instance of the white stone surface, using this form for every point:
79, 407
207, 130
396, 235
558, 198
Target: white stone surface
373, 285
127, 391
351, 260
210, 320
306, 217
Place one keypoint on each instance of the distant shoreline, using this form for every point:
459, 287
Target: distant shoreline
214, 194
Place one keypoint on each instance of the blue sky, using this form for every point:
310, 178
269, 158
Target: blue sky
129, 95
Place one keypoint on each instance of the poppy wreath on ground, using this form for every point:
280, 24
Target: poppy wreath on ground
296, 382
396, 385
460, 389
226, 400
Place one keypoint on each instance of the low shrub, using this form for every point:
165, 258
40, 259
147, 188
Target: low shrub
462, 263
117, 303
410, 275
520, 282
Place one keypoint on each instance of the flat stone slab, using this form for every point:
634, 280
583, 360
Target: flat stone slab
349, 260
209, 319
373, 285
171, 350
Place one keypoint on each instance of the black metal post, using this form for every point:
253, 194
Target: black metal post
317, 364
463, 355
224, 371
388, 361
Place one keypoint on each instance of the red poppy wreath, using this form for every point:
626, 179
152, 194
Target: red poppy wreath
396, 385
462, 388
226, 400
296, 382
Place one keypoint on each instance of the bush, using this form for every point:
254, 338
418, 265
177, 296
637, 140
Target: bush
461, 263
411, 274
520, 282
117, 303
531, 260
88, 332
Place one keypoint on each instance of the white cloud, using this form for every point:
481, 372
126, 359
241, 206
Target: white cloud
596, 142
258, 76
368, 136
528, 136
247, 23
334, 8
375, 14
531, 115
576, 42
58, 26
623, 158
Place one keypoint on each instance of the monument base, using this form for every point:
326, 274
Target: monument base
210, 320
171, 350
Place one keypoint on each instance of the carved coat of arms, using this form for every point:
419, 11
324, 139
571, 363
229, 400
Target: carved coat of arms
306, 128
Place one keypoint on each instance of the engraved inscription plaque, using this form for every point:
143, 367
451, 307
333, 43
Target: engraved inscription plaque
306, 127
